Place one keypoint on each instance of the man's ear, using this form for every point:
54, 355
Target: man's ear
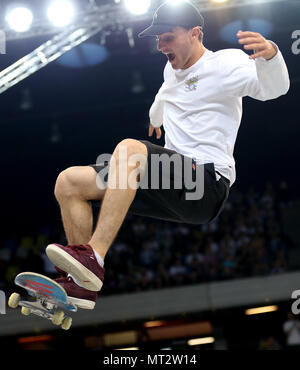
195, 32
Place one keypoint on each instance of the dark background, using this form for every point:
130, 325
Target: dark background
75, 114
78, 113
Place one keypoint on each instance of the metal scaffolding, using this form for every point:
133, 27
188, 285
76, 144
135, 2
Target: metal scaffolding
115, 14
44, 54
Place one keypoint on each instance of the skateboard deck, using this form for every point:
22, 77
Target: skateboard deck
50, 299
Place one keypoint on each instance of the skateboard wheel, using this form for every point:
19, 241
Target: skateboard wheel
66, 324
57, 317
25, 311
14, 300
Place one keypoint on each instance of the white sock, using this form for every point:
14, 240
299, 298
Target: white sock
99, 259
75, 281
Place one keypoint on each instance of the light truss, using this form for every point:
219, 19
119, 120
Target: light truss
45, 54
116, 15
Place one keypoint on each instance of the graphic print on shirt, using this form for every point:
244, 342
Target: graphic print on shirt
192, 83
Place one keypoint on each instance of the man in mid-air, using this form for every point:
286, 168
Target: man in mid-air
200, 106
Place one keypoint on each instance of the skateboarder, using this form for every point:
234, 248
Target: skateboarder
200, 106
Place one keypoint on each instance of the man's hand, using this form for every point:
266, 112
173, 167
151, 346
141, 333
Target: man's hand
255, 41
157, 130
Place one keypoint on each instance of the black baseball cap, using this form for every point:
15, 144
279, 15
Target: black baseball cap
168, 16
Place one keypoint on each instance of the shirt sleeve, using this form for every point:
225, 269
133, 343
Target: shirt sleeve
260, 79
156, 112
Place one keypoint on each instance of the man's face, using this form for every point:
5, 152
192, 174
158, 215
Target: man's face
177, 46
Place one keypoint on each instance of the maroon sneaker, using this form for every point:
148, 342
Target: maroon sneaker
78, 296
80, 262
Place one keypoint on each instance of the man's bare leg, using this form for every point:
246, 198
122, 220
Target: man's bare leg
74, 188
85, 265
116, 201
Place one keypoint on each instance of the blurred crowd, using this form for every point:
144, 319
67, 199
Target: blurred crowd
246, 240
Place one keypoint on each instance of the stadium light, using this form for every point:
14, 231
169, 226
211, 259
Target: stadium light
258, 310
219, 1
151, 324
60, 13
198, 341
19, 19
128, 349
138, 7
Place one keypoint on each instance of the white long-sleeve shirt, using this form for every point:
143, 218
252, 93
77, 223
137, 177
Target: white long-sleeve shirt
201, 107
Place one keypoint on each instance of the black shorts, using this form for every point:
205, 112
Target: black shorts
171, 204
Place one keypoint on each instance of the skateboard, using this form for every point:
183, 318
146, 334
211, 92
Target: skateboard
49, 299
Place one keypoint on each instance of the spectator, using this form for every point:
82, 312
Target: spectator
194, 255
269, 343
177, 272
291, 328
280, 264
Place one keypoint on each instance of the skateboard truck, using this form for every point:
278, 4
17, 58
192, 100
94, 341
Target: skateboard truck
50, 299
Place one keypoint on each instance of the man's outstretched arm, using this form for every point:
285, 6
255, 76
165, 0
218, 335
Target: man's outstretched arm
262, 75
272, 73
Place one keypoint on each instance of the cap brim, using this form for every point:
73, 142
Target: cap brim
155, 30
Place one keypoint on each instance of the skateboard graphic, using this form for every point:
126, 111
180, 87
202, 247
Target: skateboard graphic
50, 299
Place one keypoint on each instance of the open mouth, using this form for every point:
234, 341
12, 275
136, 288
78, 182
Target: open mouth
171, 57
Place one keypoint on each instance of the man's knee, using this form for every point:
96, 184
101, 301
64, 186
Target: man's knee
132, 146
68, 182
131, 152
